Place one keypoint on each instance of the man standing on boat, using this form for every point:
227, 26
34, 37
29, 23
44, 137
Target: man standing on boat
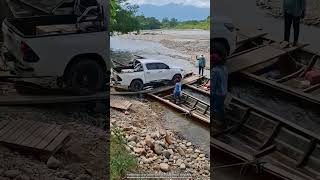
293, 11
177, 90
201, 63
219, 85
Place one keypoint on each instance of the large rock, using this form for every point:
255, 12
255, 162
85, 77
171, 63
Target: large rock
179, 162
181, 151
166, 154
189, 144
183, 146
149, 142
164, 167
133, 138
158, 149
182, 166
155, 135
53, 163
168, 139
12, 173
139, 151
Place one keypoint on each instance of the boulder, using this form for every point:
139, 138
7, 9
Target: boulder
164, 167
53, 163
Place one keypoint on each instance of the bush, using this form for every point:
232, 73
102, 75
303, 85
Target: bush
121, 160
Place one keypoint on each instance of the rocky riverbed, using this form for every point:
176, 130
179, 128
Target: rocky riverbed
190, 43
157, 149
274, 8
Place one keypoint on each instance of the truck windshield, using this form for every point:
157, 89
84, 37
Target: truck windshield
138, 68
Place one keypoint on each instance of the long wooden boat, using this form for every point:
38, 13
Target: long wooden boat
287, 72
190, 105
268, 142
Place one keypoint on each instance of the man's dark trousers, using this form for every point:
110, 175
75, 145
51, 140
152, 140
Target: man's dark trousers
288, 21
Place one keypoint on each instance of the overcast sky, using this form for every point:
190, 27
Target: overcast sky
196, 3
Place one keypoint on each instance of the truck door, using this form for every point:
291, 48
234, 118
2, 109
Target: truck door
164, 71
152, 72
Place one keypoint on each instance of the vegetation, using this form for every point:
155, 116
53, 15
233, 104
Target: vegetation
121, 161
124, 20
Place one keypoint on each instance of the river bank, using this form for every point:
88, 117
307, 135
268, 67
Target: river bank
189, 43
157, 149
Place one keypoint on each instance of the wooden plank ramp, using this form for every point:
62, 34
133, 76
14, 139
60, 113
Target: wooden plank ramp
257, 56
34, 136
120, 104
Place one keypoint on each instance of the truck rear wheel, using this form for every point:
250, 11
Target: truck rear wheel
136, 85
86, 76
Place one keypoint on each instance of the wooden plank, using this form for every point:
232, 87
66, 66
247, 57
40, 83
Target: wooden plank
255, 57
307, 153
16, 126
290, 76
3, 123
282, 87
27, 133
265, 151
58, 141
6, 128
46, 130
225, 147
19, 132
34, 134
120, 104
47, 139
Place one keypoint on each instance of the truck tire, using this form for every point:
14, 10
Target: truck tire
85, 77
136, 85
175, 77
222, 47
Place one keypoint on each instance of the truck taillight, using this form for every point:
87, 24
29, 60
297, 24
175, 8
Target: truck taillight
28, 54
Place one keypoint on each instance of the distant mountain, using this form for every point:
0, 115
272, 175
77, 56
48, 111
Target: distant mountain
178, 11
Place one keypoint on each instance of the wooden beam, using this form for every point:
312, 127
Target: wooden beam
272, 135
290, 76
307, 153
265, 151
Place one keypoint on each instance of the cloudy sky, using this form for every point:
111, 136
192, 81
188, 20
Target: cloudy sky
196, 3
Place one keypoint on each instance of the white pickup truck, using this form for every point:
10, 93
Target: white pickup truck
223, 35
70, 46
144, 72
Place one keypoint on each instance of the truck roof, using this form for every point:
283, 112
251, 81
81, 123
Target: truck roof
144, 61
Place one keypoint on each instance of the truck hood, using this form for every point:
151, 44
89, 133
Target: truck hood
25, 8
175, 67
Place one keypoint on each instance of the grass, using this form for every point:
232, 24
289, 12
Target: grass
121, 161
199, 25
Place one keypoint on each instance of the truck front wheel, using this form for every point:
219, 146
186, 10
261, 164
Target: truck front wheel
136, 85
85, 76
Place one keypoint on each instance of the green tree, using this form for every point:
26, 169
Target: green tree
173, 22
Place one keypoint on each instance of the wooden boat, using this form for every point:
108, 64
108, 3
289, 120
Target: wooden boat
287, 72
202, 85
189, 105
268, 142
